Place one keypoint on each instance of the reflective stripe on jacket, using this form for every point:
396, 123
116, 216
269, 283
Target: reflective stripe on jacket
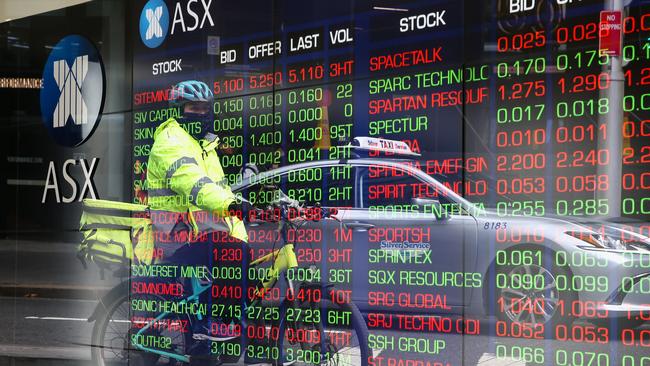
186, 175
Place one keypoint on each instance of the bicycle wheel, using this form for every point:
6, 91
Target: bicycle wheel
114, 329
322, 333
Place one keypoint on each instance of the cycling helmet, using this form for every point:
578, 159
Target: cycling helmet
190, 91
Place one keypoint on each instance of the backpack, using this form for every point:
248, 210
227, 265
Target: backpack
113, 232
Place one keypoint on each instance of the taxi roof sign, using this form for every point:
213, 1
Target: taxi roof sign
382, 145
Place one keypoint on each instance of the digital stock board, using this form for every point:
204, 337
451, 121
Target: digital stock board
483, 164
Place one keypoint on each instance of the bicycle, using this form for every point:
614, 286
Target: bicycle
301, 327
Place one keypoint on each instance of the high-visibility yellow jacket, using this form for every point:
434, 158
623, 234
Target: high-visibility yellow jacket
185, 175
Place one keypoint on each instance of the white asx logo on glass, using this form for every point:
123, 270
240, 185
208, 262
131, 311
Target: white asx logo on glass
73, 90
71, 102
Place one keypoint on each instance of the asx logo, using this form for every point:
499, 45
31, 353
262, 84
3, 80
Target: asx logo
189, 16
72, 97
154, 23
71, 101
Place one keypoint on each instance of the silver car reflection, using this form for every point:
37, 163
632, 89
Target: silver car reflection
440, 253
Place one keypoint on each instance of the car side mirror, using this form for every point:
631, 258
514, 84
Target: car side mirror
433, 206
